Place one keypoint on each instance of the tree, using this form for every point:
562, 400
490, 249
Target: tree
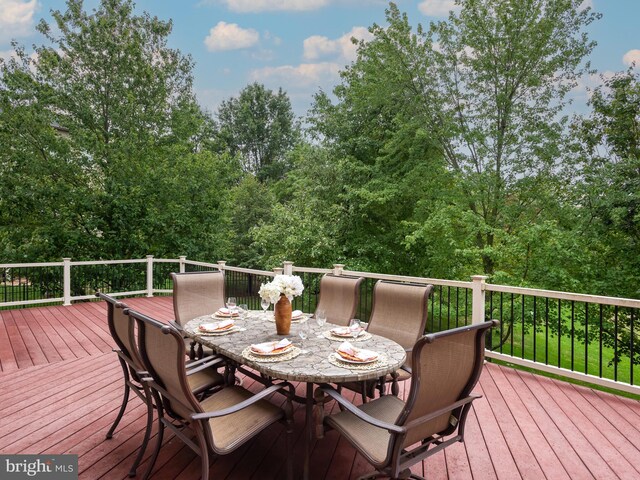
608, 184
260, 126
109, 184
484, 90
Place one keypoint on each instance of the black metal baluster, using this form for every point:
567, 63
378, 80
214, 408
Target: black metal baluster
615, 343
535, 352
600, 340
522, 329
559, 333
546, 331
631, 349
501, 320
586, 338
573, 304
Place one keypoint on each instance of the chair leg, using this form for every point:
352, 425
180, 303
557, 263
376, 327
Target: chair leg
289, 438
125, 399
147, 433
154, 457
204, 450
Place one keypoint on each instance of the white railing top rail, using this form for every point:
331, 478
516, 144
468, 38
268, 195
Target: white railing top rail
198, 264
577, 297
252, 271
108, 262
29, 265
405, 278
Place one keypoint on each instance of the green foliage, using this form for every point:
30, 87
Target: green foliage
104, 145
259, 125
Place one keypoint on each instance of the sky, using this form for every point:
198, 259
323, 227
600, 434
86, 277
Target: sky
301, 45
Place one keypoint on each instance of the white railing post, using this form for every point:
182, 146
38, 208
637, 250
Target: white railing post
182, 259
338, 268
288, 267
149, 275
66, 282
278, 270
221, 264
477, 288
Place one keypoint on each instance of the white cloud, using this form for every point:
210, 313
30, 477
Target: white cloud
303, 75
437, 8
229, 36
318, 46
245, 6
632, 56
16, 17
585, 4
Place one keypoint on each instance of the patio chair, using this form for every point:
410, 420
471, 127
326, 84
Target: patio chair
399, 313
393, 435
339, 296
222, 422
122, 331
196, 294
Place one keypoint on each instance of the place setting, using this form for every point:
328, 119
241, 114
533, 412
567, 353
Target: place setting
353, 358
272, 351
223, 327
354, 332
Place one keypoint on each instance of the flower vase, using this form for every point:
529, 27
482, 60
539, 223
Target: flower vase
282, 314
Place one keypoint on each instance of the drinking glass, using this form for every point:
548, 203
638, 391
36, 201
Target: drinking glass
321, 317
264, 303
243, 310
231, 305
355, 327
303, 333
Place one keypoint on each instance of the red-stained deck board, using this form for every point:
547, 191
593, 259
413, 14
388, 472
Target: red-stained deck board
57, 365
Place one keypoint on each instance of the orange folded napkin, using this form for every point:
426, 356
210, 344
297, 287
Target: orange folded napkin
217, 326
225, 312
349, 352
272, 347
296, 314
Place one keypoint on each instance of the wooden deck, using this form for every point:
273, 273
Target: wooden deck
61, 387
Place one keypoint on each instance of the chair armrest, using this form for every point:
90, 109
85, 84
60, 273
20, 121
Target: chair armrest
242, 405
443, 410
359, 413
176, 325
203, 364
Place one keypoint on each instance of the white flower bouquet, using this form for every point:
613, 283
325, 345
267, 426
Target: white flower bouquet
288, 285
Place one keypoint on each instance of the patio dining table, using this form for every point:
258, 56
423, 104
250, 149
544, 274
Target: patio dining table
319, 365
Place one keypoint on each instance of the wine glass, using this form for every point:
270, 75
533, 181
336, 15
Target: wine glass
231, 305
243, 310
264, 303
303, 333
355, 327
321, 318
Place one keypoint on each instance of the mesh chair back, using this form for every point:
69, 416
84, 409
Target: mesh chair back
196, 294
122, 329
399, 312
163, 354
339, 296
446, 367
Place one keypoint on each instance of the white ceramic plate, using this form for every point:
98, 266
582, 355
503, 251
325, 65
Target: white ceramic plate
271, 354
346, 360
214, 330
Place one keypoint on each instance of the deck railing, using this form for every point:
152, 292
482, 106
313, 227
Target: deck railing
586, 337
